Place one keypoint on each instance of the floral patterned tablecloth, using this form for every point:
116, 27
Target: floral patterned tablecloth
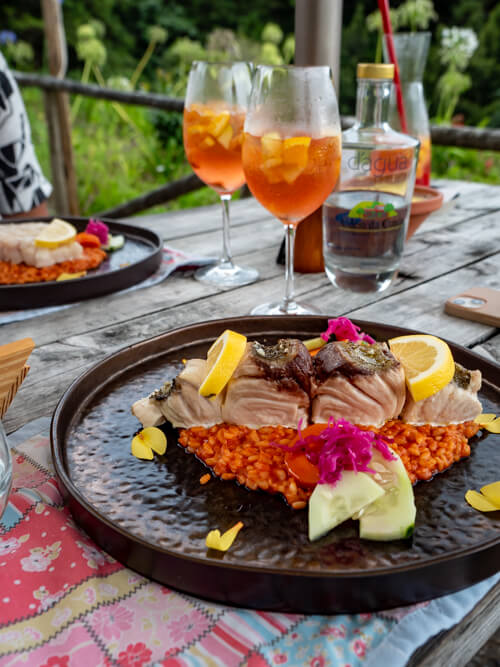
64, 602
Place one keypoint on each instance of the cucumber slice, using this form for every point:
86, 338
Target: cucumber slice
115, 242
392, 516
331, 504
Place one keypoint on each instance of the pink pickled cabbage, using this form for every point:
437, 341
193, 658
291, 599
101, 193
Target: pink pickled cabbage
344, 329
99, 229
343, 447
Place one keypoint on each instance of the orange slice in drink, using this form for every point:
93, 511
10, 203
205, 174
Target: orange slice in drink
295, 151
218, 123
295, 156
272, 145
207, 142
224, 138
236, 141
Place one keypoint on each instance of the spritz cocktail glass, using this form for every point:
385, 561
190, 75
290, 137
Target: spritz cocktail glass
291, 153
214, 113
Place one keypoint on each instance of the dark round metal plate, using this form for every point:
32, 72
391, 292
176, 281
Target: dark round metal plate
139, 258
154, 515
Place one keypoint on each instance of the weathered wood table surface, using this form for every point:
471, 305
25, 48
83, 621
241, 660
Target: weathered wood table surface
455, 249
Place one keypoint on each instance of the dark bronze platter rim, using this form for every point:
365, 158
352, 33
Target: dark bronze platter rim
37, 295
263, 587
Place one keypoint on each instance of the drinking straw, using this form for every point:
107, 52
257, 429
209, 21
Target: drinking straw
383, 6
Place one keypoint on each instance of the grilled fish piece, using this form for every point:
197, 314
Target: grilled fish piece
270, 386
362, 383
182, 405
17, 245
453, 404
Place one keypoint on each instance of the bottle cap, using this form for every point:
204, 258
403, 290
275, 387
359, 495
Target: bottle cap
375, 71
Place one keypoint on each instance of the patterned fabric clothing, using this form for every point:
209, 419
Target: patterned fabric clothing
22, 184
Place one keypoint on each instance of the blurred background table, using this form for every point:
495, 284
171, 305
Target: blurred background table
455, 249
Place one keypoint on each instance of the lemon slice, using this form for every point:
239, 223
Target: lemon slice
427, 361
222, 359
56, 233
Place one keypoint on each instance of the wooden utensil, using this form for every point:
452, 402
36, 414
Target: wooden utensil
13, 369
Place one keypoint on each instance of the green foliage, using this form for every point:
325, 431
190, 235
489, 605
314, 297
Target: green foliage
122, 152
412, 15
19, 54
272, 33
466, 164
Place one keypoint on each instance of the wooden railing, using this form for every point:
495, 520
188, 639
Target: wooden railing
463, 137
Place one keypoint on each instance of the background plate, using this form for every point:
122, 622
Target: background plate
139, 258
154, 516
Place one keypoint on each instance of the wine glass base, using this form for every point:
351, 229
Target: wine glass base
226, 275
280, 308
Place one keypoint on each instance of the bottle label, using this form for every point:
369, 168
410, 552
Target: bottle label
370, 216
381, 162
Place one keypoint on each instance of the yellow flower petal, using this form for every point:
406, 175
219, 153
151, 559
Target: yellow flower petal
215, 540
484, 418
492, 493
139, 449
479, 502
154, 438
71, 276
494, 426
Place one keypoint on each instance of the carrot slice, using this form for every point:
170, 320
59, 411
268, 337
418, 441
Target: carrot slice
301, 468
88, 240
313, 429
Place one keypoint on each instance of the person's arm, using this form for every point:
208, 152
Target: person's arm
40, 211
23, 187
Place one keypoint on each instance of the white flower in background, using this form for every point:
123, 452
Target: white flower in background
457, 46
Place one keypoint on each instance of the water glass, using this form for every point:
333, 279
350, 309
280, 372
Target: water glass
5, 470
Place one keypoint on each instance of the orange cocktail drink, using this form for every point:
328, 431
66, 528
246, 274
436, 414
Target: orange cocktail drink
213, 136
291, 174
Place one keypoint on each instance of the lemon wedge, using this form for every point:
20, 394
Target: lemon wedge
427, 361
57, 233
222, 359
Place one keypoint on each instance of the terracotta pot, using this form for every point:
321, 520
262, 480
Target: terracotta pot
425, 201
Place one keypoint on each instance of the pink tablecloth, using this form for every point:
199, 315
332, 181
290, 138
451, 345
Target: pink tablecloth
64, 602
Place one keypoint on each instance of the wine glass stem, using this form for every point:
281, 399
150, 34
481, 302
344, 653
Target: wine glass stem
289, 276
226, 243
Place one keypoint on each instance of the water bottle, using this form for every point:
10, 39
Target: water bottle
366, 217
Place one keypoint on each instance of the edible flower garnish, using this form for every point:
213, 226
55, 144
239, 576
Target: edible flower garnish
344, 329
489, 422
215, 540
99, 229
147, 441
337, 447
486, 501
71, 276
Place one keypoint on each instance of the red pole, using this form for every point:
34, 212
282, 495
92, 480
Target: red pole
383, 5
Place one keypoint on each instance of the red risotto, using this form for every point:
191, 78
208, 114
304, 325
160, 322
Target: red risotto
248, 455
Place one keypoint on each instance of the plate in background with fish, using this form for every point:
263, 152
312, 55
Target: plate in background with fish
154, 516
135, 261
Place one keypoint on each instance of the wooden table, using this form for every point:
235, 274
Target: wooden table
455, 249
